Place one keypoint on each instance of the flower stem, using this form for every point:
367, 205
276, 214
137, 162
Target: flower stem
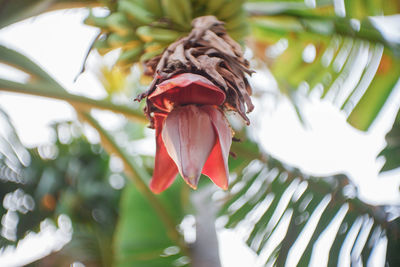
205, 252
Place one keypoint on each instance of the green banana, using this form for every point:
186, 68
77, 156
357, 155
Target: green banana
128, 25
102, 46
231, 7
236, 20
152, 46
92, 20
129, 56
198, 8
119, 23
127, 41
149, 34
149, 55
199, 3
135, 12
154, 6
240, 32
172, 10
213, 6
186, 9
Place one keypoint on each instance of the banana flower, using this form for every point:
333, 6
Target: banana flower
193, 136
194, 80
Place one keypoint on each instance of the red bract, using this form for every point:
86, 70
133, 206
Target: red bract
186, 88
194, 138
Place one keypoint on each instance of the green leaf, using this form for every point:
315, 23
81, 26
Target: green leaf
377, 93
21, 62
17, 10
74, 181
270, 195
392, 150
339, 46
141, 238
340, 237
42, 84
46, 90
14, 11
392, 254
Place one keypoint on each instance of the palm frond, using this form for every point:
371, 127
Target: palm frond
290, 218
52, 183
392, 150
341, 54
17, 10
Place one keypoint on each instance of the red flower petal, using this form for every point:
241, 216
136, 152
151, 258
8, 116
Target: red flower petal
165, 169
216, 166
186, 88
189, 137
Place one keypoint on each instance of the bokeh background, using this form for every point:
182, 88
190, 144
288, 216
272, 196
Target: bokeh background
314, 181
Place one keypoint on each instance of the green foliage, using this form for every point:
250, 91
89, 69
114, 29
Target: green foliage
324, 51
379, 90
392, 150
392, 254
17, 10
41, 84
277, 202
141, 238
13, 156
70, 176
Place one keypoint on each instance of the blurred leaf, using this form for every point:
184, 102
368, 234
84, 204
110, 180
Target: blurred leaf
280, 203
346, 58
21, 62
372, 101
42, 84
392, 254
14, 11
141, 238
244, 151
17, 10
70, 176
360, 8
392, 150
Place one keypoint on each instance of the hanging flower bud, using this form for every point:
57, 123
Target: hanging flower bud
195, 80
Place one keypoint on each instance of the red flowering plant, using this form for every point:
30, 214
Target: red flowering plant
195, 80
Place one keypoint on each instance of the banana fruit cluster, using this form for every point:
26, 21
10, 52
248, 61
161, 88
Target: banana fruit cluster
142, 29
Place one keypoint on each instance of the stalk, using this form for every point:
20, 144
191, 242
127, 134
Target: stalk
82, 102
205, 252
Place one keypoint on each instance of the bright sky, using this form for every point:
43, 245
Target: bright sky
58, 42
